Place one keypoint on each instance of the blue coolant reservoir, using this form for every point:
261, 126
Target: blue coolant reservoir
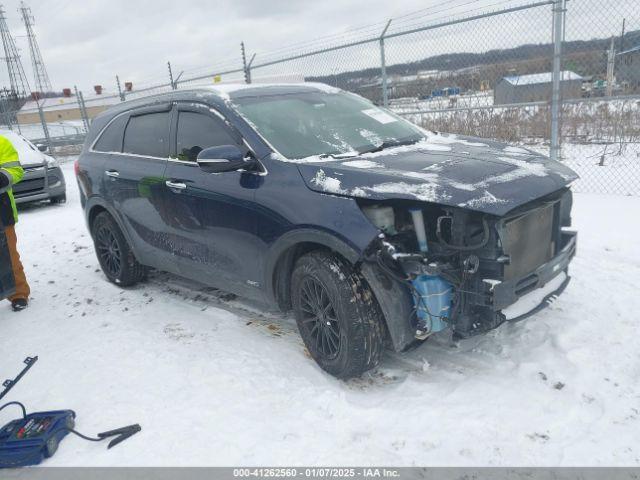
436, 294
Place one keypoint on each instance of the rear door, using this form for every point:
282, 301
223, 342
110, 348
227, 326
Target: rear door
214, 213
134, 181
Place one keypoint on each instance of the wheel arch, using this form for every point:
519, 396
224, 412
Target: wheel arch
95, 206
292, 246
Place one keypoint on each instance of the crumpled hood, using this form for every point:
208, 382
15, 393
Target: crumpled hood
477, 174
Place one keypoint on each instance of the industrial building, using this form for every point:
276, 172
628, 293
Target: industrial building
66, 108
628, 68
536, 87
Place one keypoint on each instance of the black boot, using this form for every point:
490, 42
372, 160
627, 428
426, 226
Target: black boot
19, 304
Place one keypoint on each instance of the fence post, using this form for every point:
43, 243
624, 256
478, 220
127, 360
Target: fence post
84, 110
383, 67
247, 72
45, 129
173, 84
120, 92
81, 107
559, 10
246, 66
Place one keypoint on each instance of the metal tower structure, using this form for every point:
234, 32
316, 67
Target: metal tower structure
42, 85
19, 86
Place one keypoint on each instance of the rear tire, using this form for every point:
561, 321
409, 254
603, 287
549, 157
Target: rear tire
337, 315
116, 258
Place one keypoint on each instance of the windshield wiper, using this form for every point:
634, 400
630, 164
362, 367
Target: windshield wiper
339, 155
387, 144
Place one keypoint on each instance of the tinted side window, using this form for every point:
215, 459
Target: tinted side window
111, 138
197, 132
147, 134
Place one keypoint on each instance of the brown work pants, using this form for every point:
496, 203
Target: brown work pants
22, 287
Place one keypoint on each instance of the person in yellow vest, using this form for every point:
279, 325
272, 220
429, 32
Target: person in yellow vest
11, 173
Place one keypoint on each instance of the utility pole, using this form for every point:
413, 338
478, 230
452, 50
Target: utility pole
624, 20
559, 9
19, 86
611, 65
43, 85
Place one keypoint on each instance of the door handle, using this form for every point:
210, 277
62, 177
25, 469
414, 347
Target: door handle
175, 185
112, 173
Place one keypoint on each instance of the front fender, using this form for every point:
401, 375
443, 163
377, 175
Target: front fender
284, 244
396, 304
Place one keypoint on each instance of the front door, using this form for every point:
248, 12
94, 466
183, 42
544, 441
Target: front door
214, 214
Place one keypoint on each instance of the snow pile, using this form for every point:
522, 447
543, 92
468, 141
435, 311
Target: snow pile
516, 150
487, 198
362, 164
426, 192
328, 184
536, 169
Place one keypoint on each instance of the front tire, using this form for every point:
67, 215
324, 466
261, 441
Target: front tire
114, 253
337, 315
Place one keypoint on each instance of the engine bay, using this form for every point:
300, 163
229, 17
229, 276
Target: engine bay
464, 267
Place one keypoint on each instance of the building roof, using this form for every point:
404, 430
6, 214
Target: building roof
65, 103
538, 78
630, 50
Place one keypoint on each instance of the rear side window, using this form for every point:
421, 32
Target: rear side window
147, 134
111, 138
197, 132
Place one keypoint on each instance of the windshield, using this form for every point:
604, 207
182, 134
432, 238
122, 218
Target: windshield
317, 123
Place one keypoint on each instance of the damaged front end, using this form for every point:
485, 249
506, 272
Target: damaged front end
435, 267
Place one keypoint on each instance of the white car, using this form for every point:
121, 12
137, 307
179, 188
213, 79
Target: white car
43, 178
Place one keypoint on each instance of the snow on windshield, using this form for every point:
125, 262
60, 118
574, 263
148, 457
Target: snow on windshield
319, 124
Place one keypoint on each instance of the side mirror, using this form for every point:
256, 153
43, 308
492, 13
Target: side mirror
41, 147
225, 158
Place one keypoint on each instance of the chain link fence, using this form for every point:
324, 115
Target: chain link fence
559, 76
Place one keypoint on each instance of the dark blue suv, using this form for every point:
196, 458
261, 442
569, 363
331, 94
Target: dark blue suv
375, 232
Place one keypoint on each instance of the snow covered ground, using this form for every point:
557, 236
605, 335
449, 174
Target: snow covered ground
214, 380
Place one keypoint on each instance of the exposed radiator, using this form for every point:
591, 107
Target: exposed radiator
527, 240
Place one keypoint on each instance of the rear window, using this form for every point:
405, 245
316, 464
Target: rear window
147, 135
111, 138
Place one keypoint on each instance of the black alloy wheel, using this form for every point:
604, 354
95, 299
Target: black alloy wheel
320, 318
109, 251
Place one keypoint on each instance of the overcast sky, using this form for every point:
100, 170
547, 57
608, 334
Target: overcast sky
88, 42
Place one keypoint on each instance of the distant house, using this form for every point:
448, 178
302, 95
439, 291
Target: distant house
535, 87
628, 67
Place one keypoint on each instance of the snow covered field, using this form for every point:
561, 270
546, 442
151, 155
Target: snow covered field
214, 380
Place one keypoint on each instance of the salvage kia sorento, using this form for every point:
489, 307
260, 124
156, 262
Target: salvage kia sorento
375, 232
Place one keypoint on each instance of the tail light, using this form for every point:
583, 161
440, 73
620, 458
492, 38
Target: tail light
76, 167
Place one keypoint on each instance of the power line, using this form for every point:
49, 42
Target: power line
17, 78
43, 84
